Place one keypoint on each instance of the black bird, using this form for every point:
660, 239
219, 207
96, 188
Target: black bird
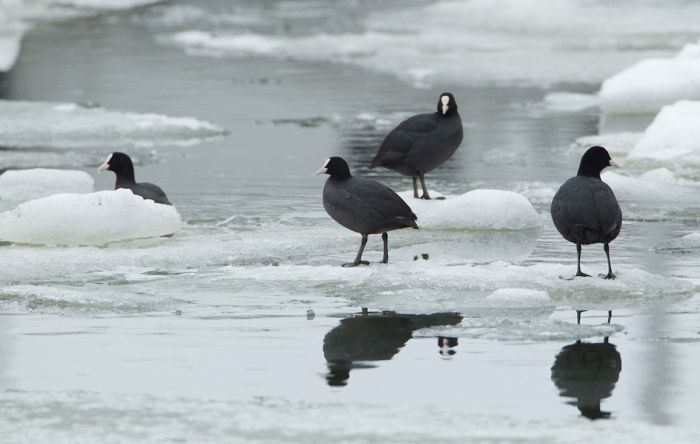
422, 143
588, 373
363, 205
122, 166
585, 210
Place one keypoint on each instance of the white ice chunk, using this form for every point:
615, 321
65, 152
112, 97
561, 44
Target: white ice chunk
9, 48
88, 219
615, 143
69, 125
652, 83
21, 185
631, 189
685, 244
475, 210
519, 297
673, 136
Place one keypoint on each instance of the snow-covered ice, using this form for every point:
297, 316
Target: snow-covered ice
70, 125
481, 209
10, 43
87, 219
616, 143
673, 136
649, 188
653, 83
21, 185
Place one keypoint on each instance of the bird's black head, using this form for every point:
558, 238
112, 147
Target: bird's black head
594, 161
336, 167
121, 164
447, 105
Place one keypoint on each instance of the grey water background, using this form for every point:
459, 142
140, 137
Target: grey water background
207, 337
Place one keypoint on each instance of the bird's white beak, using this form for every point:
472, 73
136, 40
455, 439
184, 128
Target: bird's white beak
614, 164
105, 165
322, 170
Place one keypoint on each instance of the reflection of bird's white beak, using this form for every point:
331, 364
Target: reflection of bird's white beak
614, 164
444, 109
322, 170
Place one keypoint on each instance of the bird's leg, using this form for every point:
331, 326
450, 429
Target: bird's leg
578, 267
385, 238
415, 187
609, 315
425, 188
358, 258
578, 316
610, 274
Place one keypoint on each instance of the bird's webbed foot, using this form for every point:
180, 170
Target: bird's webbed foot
610, 275
582, 274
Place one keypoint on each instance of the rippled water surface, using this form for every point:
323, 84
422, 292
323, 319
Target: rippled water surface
243, 327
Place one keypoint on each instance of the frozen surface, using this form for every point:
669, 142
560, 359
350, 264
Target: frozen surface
653, 186
18, 16
615, 143
653, 83
688, 244
88, 219
462, 42
673, 137
475, 210
69, 125
9, 48
21, 185
98, 417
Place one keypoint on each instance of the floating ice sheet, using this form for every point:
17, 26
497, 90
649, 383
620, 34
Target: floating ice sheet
462, 42
673, 137
69, 125
87, 219
650, 84
21, 185
475, 210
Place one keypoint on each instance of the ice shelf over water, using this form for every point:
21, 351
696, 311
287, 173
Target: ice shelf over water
475, 210
87, 219
21, 185
673, 136
18, 16
70, 125
652, 83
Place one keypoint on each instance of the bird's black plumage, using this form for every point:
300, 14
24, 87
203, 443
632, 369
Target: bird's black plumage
585, 210
422, 143
363, 205
123, 168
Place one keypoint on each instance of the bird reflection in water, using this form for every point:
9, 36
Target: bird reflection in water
587, 372
373, 337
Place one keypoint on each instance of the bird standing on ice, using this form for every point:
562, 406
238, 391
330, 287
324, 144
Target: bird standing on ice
363, 205
123, 168
422, 143
585, 210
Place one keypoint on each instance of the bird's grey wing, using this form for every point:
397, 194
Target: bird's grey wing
153, 192
404, 137
381, 200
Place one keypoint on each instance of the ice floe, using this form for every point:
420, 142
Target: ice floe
70, 125
472, 42
87, 219
481, 209
690, 243
649, 187
21, 185
653, 83
18, 16
615, 143
673, 136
